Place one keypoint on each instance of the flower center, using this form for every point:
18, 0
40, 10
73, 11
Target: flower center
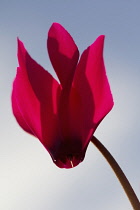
70, 158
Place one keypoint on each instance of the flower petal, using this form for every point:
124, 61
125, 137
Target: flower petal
17, 113
63, 53
36, 93
91, 97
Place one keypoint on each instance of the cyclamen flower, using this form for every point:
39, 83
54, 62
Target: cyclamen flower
62, 115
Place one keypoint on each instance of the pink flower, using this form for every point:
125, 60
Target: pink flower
62, 115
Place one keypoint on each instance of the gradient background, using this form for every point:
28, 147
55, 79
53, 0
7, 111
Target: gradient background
28, 178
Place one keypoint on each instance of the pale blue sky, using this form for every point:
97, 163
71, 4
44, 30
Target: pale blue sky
28, 178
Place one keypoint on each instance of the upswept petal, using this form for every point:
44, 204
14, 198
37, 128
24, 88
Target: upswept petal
17, 113
63, 53
36, 93
91, 97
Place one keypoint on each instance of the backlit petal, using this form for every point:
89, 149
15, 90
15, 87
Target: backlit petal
63, 53
91, 98
36, 93
18, 114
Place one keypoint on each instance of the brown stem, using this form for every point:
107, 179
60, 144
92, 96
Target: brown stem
119, 173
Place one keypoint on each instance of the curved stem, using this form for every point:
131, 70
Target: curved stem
119, 173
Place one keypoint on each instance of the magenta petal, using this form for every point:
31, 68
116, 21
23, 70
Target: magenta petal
91, 98
63, 53
18, 114
36, 93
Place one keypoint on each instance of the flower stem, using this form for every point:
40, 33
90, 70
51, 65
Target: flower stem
119, 173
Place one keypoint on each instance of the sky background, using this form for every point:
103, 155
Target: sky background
28, 178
